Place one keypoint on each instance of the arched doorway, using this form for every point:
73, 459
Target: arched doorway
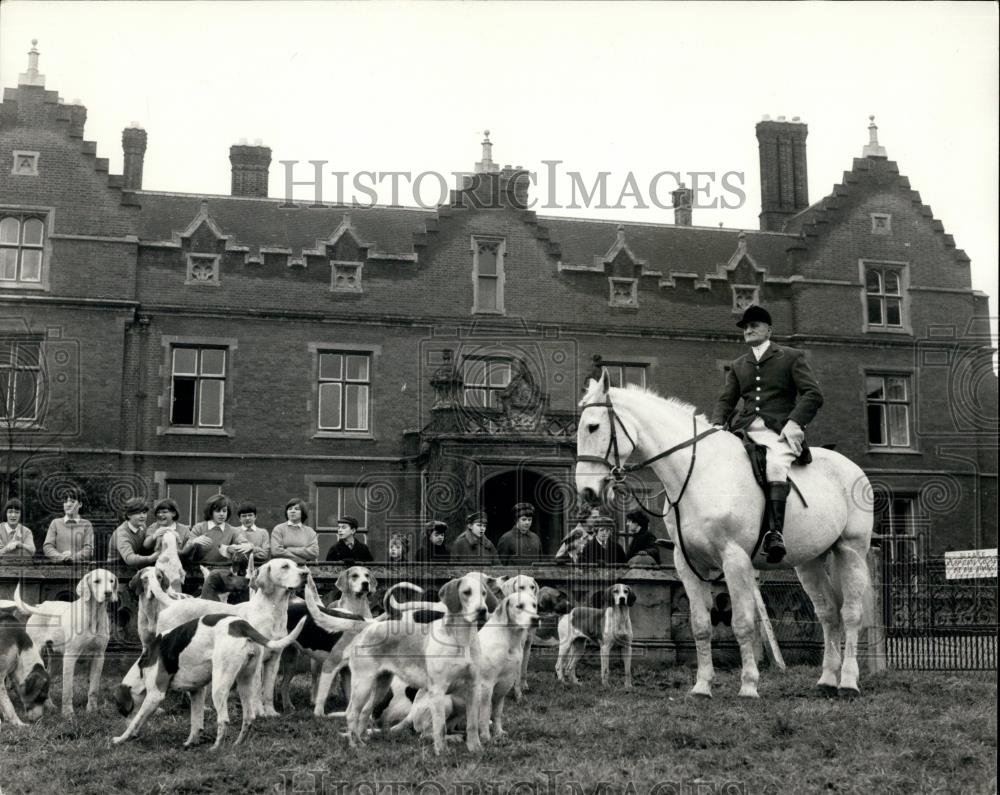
548, 493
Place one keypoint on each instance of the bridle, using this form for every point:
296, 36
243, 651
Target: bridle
618, 471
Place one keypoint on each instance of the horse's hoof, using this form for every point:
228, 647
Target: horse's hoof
848, 692
827, 691
701, 696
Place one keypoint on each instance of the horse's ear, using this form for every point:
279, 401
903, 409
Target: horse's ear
605, 381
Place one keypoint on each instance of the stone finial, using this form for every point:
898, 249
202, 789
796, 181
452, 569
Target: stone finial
32, 77
741, 242
873, 148
621, 233
486, 165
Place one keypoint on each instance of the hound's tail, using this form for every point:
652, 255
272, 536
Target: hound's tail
162, 597
243, 629
331, 619
30, 610
765, 623
394, 609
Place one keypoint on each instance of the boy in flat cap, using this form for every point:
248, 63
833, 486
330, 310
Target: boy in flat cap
519, 544
473, 547
349, 549
780, 398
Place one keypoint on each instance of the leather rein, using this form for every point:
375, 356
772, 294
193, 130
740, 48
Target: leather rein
619, 471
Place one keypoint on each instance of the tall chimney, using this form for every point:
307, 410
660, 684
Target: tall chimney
134, 147
784, 186
250, 167
682, 205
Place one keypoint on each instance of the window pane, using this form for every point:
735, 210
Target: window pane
181, 494
9, 227
876, 424
213, 361
182, 410
8, 264
891, 283
210, 405
874, 385
499, 373
896, 387
31, 265
185, 361
899, 431
475, 372
25, 394
475, 397
902, 515
635, 375
33, 229
875, 311
615, 374
893, 314
357, 408
487, 261
202, 493
330, 366
329, 406
28, 354
487, 298
355, 501
328, 509
873, 281
357, 368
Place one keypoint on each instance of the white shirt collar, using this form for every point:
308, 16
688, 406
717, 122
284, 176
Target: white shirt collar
761, 349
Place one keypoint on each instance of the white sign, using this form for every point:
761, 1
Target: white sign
970, 563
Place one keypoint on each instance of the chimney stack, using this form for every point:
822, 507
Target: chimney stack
784, 186
682, 205
250, 169
134, 147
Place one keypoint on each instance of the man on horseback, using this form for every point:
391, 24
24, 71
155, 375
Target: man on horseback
780, 398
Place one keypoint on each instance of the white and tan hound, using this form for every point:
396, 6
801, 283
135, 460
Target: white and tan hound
607, 626
22, 664
149, 605
169, 561
217, 649
78, 629
440, 656
526, 586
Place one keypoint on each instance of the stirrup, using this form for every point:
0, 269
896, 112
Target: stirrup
774, 546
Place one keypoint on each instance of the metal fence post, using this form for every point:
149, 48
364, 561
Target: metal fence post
872, 616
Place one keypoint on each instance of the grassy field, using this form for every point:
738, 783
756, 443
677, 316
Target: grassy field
909, 732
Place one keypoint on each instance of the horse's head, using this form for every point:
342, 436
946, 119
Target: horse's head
603, 442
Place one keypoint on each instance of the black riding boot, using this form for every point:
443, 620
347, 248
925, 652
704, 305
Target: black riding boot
774, 544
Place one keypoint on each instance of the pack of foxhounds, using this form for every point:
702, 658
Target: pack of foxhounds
433, 667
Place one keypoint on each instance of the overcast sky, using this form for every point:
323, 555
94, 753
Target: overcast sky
625, 87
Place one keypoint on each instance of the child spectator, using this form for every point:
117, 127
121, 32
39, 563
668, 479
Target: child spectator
293, 539
70, 538
16, 540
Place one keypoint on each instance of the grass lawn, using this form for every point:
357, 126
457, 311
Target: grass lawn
909, 732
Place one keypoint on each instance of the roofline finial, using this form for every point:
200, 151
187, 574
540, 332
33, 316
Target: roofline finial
873, 148
32, 77
486, 165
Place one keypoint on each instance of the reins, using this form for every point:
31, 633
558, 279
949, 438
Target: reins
620, 470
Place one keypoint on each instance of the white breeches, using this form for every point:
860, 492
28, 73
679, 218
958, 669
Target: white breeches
780, 454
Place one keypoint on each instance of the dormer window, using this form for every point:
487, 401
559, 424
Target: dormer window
624, 293
202, 269
22, 248
25, 164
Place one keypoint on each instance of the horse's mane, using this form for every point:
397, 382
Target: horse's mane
651, 398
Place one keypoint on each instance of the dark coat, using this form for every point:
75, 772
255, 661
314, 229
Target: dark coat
469, 549
778, 388
359, 553
517, 547
643, 543
611, 555
429, 553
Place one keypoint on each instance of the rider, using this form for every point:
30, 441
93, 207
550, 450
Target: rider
780, 398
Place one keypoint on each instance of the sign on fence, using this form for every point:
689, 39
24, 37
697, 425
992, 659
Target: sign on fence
970, 564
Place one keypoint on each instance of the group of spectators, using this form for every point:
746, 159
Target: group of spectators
215, 542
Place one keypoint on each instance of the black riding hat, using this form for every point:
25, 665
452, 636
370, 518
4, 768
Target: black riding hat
755, 314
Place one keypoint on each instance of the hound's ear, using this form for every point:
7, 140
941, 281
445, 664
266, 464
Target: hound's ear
36, 685
508, 618
205, 572
491, 599
374, 583
262, 579
341, 583
135, 584
599, 599
631, 597
449, 595
83, 588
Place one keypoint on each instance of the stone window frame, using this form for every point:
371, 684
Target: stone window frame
170, 341
164, 480
736, 310
195, 258
616, 303
912, 445
374, 353
500, 276
47, 216
325, 532
336, 266
885, 229
902, 269
18, 154
24, 423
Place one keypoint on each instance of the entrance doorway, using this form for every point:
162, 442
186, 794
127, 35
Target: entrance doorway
547, 493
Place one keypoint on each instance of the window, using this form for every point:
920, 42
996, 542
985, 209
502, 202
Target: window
744, 296
888, 405
25, 164
624, 292
344, 391
487, 275
896, 524
884, 297
881, 224
198, 386
621, 374
20, 381
346, 277
334, 501
485, 379
22, 244
191, 498
202, 269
